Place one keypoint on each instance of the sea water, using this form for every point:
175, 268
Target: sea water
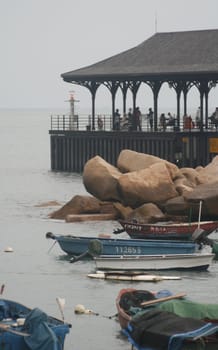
37, 271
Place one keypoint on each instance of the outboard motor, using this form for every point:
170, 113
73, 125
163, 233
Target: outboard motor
200, 236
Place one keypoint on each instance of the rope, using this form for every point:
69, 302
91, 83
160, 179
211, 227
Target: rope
80, 309
51, 247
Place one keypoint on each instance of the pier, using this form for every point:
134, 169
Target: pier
73, 143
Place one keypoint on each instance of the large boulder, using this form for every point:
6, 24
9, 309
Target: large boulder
146, 213
151, 185
108, 208
209, 174
77, 205
177, 206
208, 194
183, 189
186, 180
189, 176
123, 211
129, 161
100, 179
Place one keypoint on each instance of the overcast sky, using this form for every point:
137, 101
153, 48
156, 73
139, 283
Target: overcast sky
40, 39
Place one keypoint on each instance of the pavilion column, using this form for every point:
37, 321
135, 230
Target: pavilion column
203, 88
155, 111
201, 111
124, 102
93, 109
124, 88
92, 86
155, 86
112, 87
134, 100
206, 110
113, 95
186, 86
178, 87
134, 86
178, 95
185, 102
208, 86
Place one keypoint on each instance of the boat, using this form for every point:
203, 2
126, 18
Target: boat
149, 319
165, 230
195, 261
131, 276
76, 245
23, 328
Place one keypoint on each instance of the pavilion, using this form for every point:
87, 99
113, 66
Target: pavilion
181, 59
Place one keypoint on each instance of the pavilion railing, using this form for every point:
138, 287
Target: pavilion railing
83, 122
79, 122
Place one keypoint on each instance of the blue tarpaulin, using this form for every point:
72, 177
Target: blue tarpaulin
41, 336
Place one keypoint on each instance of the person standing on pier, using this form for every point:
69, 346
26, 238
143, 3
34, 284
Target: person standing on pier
117, 120
163, 122
130, 120
150, 117
137, 119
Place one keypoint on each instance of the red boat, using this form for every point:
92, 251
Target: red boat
131, 297
166, 230
123, 316
144, 324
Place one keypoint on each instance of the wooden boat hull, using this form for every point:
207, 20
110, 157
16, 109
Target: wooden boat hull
198, 261
208, 343
14, 330
75, 245
163, 230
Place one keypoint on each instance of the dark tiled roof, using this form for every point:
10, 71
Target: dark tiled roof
188, 52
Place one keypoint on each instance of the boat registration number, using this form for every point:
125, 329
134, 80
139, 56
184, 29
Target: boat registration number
128, 250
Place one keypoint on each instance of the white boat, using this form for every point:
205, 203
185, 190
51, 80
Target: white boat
196, 261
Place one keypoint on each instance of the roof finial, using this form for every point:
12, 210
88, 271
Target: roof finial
155, 22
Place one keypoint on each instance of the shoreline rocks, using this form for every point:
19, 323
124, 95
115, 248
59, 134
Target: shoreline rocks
144, 188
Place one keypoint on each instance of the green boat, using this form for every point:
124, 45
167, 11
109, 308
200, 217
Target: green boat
162, 321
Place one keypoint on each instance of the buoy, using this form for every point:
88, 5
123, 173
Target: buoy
8, 250
80, 309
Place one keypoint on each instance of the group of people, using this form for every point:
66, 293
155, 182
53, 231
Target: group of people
164, 121
167, 121
133, 120
130, 122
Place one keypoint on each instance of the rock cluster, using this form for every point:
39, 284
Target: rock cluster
145, 188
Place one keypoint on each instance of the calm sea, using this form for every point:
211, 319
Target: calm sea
37, 273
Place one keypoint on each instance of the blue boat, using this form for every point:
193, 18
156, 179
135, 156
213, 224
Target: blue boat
22, 328
75, 245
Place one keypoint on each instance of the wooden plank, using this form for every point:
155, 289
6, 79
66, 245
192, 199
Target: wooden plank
129, 277
89, 217
151, 302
